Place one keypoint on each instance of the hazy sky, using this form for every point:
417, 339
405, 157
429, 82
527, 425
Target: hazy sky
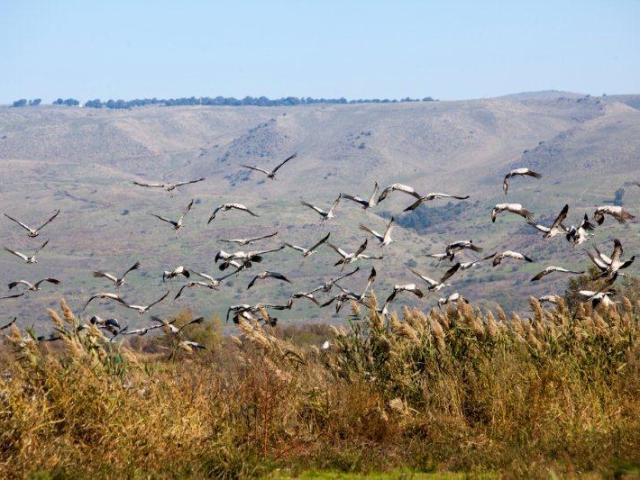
357, 49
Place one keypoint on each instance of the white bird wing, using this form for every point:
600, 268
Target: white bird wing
334, 205
398, 187
204, 275
239, 241
262, 237
366, 256
354, 198
158, 301
603, 256
361, 248
517, 255
41, 247
587, 293
109, 296
54, 281
23, 225
215, 212
404, 189
437, 195
239, 206
187, 209
372, 278
7, 325
164, 219
257, 169
541, 274
387, 231
280, 165
313, 207
520, 210
598, 262
29, 285
373, 198
378, 235
385, 192
271, 250
561, 217
517, 171
449, 273
617, 252
17, 254
338, 250
552, 269
296, 247
344, 275
109, 276
188, 182
15, 295
428, 280
133, 267
149, 185
211, 280
320, 242
253, 281
505, 183
539, 227
188, 285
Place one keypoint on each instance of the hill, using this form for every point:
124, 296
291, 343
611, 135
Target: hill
83, 161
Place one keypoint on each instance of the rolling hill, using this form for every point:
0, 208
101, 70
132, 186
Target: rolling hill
83, 161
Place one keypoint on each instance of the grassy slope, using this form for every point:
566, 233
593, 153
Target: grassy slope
82, 161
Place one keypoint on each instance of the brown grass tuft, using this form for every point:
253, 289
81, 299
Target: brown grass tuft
451, 390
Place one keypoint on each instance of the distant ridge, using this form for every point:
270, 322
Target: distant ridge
632, 100
543, 95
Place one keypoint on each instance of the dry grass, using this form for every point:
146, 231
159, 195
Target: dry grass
458, 390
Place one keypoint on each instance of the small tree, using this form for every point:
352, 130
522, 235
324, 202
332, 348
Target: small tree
70, 102
96, 103
19, 103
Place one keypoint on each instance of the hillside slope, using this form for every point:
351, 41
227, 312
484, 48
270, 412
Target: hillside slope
83, 160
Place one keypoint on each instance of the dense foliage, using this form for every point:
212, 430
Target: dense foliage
231, 101
215, 101
69, 102
553, 395
23, 102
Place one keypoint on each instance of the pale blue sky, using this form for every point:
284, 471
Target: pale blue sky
357, 49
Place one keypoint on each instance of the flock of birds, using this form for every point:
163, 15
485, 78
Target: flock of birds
231, 263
